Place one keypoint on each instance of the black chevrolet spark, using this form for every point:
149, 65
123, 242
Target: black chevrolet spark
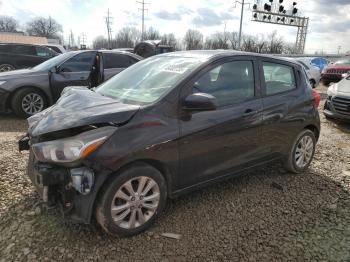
165, 126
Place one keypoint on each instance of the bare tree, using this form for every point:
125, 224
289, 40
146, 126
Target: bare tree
127, 37
152, 34
233, 39
46, 27
8, 24
193, 40
100, 42
170, 40
275, 43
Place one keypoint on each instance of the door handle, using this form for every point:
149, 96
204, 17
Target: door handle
250, 112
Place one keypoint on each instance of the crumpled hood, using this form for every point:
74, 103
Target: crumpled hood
19, 73
80, 107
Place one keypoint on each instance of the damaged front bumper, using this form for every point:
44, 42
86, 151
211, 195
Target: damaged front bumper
74, 190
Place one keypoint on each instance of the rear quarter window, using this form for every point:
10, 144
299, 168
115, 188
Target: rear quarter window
278, 78
118, 60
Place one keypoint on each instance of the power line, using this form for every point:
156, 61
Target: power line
109, 23
143, 17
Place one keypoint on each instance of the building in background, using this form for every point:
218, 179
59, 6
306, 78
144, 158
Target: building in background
21, 38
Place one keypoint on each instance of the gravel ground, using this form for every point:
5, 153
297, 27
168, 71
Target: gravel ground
265, 215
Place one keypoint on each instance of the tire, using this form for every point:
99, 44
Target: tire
24, 95
6, 68
116, 186
313, 83
290, 162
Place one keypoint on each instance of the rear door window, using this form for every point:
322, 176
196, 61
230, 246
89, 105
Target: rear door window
117, 60
24, 50
278, 78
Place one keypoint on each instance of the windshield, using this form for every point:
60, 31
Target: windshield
148, 80
48, 64
345, 61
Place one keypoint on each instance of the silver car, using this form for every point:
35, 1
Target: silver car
28, 91
338, 101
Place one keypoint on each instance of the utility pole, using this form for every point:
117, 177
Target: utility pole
109, 22
143, 17
241, 22
339, 48
83, 41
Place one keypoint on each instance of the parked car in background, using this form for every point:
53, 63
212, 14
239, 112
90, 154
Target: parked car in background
313, 72
17, 56
319, 62
337, 104
151, 47
29, 91
165, 126
57, 48
334, 71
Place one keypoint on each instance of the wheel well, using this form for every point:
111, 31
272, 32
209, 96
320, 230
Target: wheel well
9, 99
314, 129
151, 162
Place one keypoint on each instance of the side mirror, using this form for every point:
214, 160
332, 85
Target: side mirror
56, 69
200, 102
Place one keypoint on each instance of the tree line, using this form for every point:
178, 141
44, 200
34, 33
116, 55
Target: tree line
128, 37
270, 43
38, 26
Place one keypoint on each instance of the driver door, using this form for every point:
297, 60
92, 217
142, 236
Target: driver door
213, 143
73, 72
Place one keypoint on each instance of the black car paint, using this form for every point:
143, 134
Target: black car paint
19, 61
193, 149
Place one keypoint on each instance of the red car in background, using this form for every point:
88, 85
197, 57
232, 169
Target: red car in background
333, 72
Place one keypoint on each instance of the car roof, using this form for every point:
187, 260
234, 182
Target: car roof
210, 54
21, 44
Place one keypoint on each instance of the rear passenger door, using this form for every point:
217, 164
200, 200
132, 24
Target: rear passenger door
215, 142
25, 56
114, 63
283, 105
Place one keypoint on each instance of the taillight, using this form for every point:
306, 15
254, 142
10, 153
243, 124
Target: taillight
316, 96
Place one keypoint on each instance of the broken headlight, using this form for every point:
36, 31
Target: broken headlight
71, 149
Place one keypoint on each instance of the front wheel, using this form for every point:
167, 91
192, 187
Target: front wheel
301, 152
132, 201
28, 101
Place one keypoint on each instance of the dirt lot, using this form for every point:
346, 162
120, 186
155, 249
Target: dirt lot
265, 215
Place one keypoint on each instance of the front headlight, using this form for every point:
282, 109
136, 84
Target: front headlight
2, 82
72, 149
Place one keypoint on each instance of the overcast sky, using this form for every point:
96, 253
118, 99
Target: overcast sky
329, 19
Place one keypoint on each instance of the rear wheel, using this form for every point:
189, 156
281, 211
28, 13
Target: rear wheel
28, 101
301, 152
6, 67
132, 201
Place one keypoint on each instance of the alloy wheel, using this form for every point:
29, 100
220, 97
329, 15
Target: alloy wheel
304, 151
6, 67
135, 202
32, 103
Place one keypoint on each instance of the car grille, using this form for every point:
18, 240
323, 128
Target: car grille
337, 71
341, 105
